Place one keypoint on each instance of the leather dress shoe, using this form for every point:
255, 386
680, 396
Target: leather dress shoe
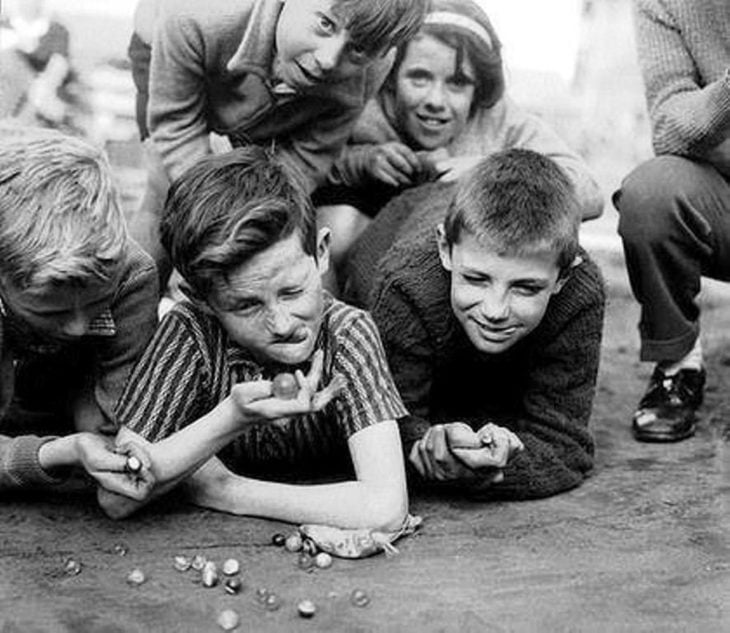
668, 410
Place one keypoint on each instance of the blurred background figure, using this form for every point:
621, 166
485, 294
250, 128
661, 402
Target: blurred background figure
39, 82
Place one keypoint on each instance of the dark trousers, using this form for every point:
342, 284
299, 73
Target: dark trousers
140, 54
675, 226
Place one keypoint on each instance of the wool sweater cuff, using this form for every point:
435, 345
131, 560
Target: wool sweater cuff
22, 463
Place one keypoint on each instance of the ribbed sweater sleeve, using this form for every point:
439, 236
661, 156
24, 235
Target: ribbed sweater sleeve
19, 465
684, 62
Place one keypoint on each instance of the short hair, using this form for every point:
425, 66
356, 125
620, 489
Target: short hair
60, 215
229, 207
465, 27
517, 201
377, 25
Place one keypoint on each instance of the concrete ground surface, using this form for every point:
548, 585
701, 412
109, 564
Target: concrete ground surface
642, 545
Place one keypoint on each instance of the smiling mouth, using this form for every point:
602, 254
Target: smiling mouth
490, 332
432, 122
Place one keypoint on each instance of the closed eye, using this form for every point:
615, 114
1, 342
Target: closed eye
474, 279
292, 292
529, 290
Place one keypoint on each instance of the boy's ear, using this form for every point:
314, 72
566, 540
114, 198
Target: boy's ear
566, 273
323, 250
444, 247
560, 282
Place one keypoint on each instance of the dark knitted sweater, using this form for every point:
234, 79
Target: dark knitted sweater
542, 388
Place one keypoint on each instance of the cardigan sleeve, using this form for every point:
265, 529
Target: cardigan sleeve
687, 118
410, 355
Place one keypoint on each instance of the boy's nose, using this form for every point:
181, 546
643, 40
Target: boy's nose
329, 53
279, 321
494, 308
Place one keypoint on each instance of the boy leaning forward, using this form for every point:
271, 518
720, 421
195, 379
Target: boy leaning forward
78, 304
290, 74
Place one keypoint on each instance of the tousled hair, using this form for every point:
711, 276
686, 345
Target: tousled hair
486, 58
377, 25
229, 207
60, 216
517, 201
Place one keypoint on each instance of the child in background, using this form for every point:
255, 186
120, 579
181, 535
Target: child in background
37, 74
78, 302
292, 74
491, 316
442, 108
203, 401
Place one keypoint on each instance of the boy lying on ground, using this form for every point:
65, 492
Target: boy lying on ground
241, 231
492, 326
78, 301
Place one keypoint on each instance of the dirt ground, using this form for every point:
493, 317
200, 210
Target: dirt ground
642, 545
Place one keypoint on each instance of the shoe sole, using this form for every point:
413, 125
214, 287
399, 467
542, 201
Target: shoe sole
663, 438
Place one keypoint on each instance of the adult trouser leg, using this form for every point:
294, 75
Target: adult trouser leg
675, 226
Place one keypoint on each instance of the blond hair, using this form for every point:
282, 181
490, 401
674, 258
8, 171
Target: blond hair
60, 216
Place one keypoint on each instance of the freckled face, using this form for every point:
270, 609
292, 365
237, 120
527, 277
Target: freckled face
313, 46
498, 299
433, 96
272, 305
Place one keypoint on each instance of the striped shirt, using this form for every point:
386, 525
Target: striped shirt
191, 365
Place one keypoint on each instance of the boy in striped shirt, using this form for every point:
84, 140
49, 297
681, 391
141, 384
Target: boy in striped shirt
242, 233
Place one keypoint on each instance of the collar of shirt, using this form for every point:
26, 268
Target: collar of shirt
257, 50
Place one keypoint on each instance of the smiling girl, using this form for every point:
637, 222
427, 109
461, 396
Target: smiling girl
442, 108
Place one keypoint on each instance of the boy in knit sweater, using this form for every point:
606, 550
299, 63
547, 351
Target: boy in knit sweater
492, 326
78, 304
675, 208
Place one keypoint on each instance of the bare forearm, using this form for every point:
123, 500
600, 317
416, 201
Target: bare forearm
350, 504
376, 499
185, 451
